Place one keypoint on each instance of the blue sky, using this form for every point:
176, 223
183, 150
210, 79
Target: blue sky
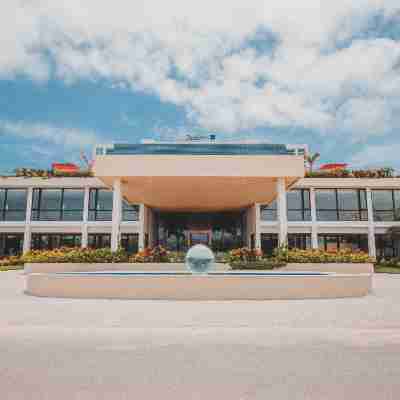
324, 74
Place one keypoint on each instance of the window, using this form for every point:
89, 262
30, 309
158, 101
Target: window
298, 207
386, 204
130, 242
341, 204
269, 212
100, 205
11, 244
12, 204
57, 205
50, 241
387, 246
130, 212
352, 242
298, 204
299, 241
269, 242
99, 240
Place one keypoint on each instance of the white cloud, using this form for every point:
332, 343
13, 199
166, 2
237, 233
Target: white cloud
69, 138
377, 156
198, 55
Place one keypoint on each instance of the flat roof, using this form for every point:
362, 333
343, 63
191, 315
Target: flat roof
193, 148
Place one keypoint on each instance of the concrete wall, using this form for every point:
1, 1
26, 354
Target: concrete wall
191, 287
340, 268
30, 268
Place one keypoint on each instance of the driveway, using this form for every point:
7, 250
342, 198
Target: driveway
120, 349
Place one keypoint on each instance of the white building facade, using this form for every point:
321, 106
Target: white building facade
225, 198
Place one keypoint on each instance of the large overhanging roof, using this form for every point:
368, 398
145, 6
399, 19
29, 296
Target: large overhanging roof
198, 182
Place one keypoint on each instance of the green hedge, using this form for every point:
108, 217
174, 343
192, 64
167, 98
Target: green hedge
319, 256
264, 264
76, 255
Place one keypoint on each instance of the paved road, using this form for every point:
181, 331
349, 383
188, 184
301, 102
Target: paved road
100, 349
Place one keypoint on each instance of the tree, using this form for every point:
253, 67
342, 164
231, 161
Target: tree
311, 159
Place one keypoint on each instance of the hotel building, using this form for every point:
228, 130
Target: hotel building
177, 194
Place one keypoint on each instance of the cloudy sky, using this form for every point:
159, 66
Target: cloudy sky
74, 73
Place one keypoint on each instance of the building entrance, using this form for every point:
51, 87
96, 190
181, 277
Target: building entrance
179, 231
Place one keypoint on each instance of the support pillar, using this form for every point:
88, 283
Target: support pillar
84, 241
116, 215
371, 225
282, 211
28, 218
142, 226
314, 226
258, 221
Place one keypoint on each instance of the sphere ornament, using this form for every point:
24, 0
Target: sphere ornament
199, 259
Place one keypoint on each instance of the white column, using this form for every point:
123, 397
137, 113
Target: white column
314, 226
84, 241
28, 218
258, 230
371, 225
282, 211
142, 222
116, 214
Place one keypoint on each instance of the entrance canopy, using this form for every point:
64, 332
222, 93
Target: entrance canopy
198, 182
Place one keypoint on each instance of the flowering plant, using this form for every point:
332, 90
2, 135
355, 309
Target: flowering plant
244, 254
155, 254
321, 256
10, 261
76, 255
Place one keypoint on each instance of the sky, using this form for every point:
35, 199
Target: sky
75, 73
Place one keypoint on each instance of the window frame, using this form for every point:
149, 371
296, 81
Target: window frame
95, 210
36, 212
4, 206
304, 238
51, 235
339, 239
391, 210
361, 212
303, 210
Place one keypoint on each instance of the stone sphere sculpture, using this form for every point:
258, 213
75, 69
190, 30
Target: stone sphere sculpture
199, 259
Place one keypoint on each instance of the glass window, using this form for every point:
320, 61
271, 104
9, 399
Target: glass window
13, 204
269, 242
130, 242
99, 240
326, 204
299, 241
73, 201
352, 205
298, 205
100, 205
11, 244
269, 212
353, 242
50, 241
386, 204
341, 205
387, 246
130, 212
57, 205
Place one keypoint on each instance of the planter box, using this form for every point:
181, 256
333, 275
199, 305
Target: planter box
233, 286
88, 267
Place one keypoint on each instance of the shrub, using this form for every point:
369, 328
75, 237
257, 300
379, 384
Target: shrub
391, 262
263, 264
11, 262
76, 255
321, 256
348, 173
155, 254
244, 254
